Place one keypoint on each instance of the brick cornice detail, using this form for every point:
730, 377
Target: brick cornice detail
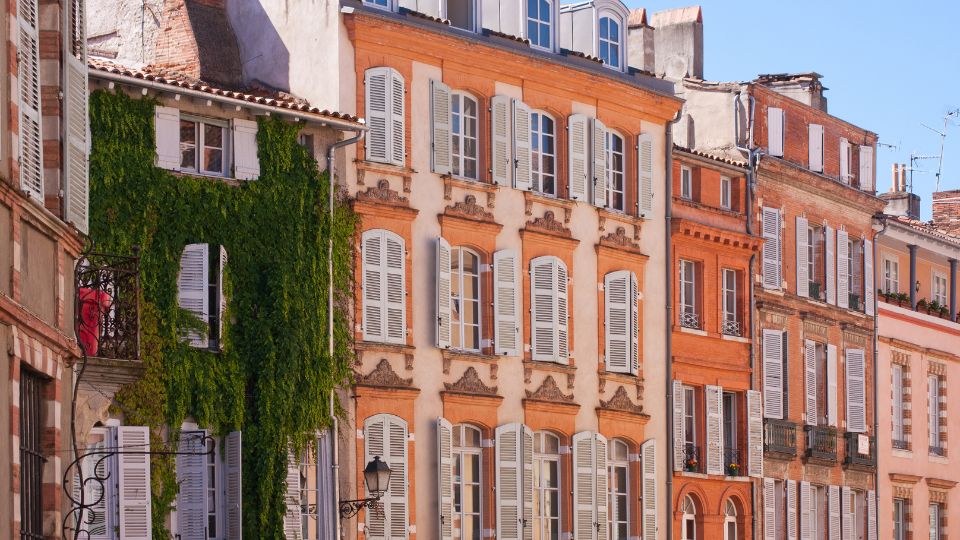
901, 478
714, 235
470, 383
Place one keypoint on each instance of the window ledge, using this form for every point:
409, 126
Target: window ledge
744, 479
775, 292
906, 454
938, 459
469, 356
549, 366
692, 474
693, 331
738, 339
376, 346
468, 183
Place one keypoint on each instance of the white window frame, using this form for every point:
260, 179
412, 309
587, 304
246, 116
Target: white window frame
457, 327
854, 283
813, 232
380, 4
891, 274
459, 451
933, 411
935, 521
539, 22
726, 193
538, 156
939, 288
686, 183
730, 516
817, 530
459, 137
475, 14
690, 416
541, 461
897, 431
689, 516
199, 145
615, 463
613, 174
900, 518
729, 287
688, 300
610, 43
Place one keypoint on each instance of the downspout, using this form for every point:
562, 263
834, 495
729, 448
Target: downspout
668, 331
876, 352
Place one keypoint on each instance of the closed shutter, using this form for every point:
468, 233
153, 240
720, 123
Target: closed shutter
832, 385
166, 121
443, 325
373, 284
385, 435
844, 160
506, 312
512, 18
816, 148
834, 513
775, 131
549, 305
648, 472
634, 325
501, 146
133, 479
791, 500
97, 521
445, 477
769, 509
773, 374
714, 400
221, 295
233, 485
292, 524
810, 381
192, 479
327, 512
645, 175
866, 169
846, 513
754, 434
76, 183
395, 290
28, 75
377, 88
440, 120
601, 486
577, 126
618, 308
843, 277
805, 503
803, 268
856, 392
678, 421
599, 140
771, 248
584, 488
897, 371
192, 290
868, 291
246, 162
510, 489
871, 515
522, 173
526, 494
831, 285
398, 134
563, 314
376, 441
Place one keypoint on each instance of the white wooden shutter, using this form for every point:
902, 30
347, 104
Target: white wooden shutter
791, 514
866, 169
192, 289
816, 148
868, 291
377, 112
805, 503
376, 439
584, 488
810, 381
28, 76
769, 509
645, 175
601, 486
843, 278
634, 325
856, 392
648, 473
678, 422
134, 482
222, 306
76, 183
773, 374
844, 160
512, 20
617, 321
775, 131
549, 309
192, 479
98, 522
445, 477
846, 514
522, 172
832, 385
166, 122
526, 493
578, 143
429, 7
395, 291
831, 285
897, 372
803, 268
714, 400
772, 263
510, 481
443, 325
834, 513
501, 146
506, 311
397, 119
374, 283
292, 525
599, 157
385, 435
754, 434
871, 515
563, 314
246, 162
440, 115
233, 485
327, 512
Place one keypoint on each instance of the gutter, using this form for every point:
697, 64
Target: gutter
668, 331
876, 350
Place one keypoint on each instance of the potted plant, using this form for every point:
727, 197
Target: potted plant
922, 305
933, 308
692, 464
901, 298
944, 312
733, 469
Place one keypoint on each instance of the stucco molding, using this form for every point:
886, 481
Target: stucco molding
548, 224
550, 392
381, 193
902, 478
384, 376
470, 383
469, 209
940, 483
621, 402
618, 239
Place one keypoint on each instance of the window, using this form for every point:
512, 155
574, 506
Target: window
732, 464
780, 508
615, 172
726, 193
900, 519
610, 42
821, 388
463, 134
819, 513
935, 525
891, 275
689, 312
621, 322
208, 476
543, 153
385, 4
462, 14
466, 482
306, 140
539, 23
933, 414
854, 256
203, 145
383, 286
32, 460
619, 504
385, 435
730, 521
731, 311
549, 317
385, 101
465, 299
200, 292
940, 289
688, 524
899, 434
691, 454
98, 521
315, 490
546, 485
686, 183
815, 261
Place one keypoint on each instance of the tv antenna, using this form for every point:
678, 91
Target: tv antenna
943, 135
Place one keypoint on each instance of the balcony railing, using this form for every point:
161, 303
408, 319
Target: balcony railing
815, 290
821, 442
689, 319
780, 436
731, 328
900, 444
857, 443
853, 300
108, 305
733, 462
691, 458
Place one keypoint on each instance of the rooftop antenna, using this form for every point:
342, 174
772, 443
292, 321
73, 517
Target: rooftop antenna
943, 135
914, 158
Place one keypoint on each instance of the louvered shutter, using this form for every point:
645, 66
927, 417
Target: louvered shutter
805, 503
133, 479
28, 76
192, 290
714, 399
510, 479
844, 160
775, 131
377, 112
754, 434
549, 306
522, 174
843, 278
810, 381
678, 422
868, 291
327, 512
563, 314
634, 325
192, 479
445, 477
292, 524
771, 248
648, 471
526, 493
246, 162
791, 500
856, 392
385, 435
97, 521
506, 312
395, 293
443, 325
831, 266
866, 169
773, 374
440, 114
769, 509
602, 485
221, 295
501, 146
397, 119
645, 175
803, 268
376, 441
578, 143
618, 307
832, 385
871, 515
233, 485
599, 157
374, 278
834, 513
816, 148
76, 183
584, 490
166, 121
846, 513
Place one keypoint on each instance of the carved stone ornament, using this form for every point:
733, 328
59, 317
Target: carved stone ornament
619, 239
469, 209
549, 224
383, 375
471, 383
621, 402
549, 391
382, 193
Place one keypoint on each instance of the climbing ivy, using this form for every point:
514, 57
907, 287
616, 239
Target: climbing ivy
274, 376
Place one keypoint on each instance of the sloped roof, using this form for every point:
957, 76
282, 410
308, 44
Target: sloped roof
723, 155
929, 228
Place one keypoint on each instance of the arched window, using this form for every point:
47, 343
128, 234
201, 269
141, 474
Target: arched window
619, 505
546, 485
609, 46
543, 153
466, 482
464, 299
463, 135
540, 23
730, 521
688, 525
616, 187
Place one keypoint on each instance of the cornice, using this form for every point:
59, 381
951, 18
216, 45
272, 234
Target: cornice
715, 235
820, 186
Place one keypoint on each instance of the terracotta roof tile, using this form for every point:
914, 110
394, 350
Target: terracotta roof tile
928, 228
715, 157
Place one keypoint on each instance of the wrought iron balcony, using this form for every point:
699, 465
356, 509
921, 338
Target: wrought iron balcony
733, 462
938, 451
108, 305
690, 319
780, 436
857, 443
731, 328
691, 458
821, 442
815, 290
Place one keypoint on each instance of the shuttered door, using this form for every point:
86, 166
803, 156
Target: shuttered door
584, 487
246, 161
192, 290
816, 148
791, 500
578, 143
805, 503
773, 374
868, 277
292, 524
834, 513
599, 155
166, 121
832, 375
75, 119
846, 513
233, 485
386, 436
28, 75
755, 434
395, 293
843, 278
769, 509
501, 145
440, 121
648, 471
522, 174
775, 131
133, 479
617, 321
510, 478
856, 391
771, 248
506, 313
714, 401
678, 440
192, 478
445, 477
443, 326
810, 381
803, 268
645, 175
831, 266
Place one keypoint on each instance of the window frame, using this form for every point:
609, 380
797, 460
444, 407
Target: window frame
540, 22
937, 293
689, 518
199, 145
541, 460
458, 451
459, 138
899, 518
460, 301
31, 407
538, 156
688, 300
933, 413
730, 426
613, 462
730, 313
729, 518
726, 193
475, 14
618, 43
387, 5
891, 274
686, 182
610, 155
690, 435
897, 431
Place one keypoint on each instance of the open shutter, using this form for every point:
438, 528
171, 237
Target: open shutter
866, 169
192, 479
374, 277
192, 290
803, 268
832, 385
97, 521
678, 426
445, 477
617, 321
222, 306
769, 509
166, 122
714, 399
386, 436
846, 513
584, 488
28, 75
648, 472
233, 485
510, 477
871, 515
791, 500
843, 277
831, 266
599, 155
577, 126
844, 160
506, 312
775, 131
773, 374
526, 492
522, 175
856, 392
805, 503
563, 314
246, 162
634, 325
501, 146
816, 148
602, 485
543, 306
443, 293
397, 119
440, 115
375, 443
868, 291
754, 434
134, 482
292, 525
771, 248
834, 513
76, 183
395, 299
377, 88
810, 381
645, 175
327, 511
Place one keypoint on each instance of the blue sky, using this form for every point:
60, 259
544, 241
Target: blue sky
888, 66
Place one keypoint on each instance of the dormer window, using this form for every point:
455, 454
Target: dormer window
539, 23
609, 46
462, 14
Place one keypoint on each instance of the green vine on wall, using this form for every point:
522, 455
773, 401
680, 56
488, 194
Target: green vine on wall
274, 376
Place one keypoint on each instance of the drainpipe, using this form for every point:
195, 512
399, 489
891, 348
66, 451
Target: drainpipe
876, 351
668, 331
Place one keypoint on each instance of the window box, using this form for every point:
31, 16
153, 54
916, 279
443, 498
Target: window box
733, 462
691, 458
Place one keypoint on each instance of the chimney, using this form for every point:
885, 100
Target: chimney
899, 201
197, 40
678, 43
803, 87
946, 211
640, 45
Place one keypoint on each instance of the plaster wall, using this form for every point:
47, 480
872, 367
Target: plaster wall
127, 28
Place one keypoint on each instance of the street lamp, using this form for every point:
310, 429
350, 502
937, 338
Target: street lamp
376, 476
